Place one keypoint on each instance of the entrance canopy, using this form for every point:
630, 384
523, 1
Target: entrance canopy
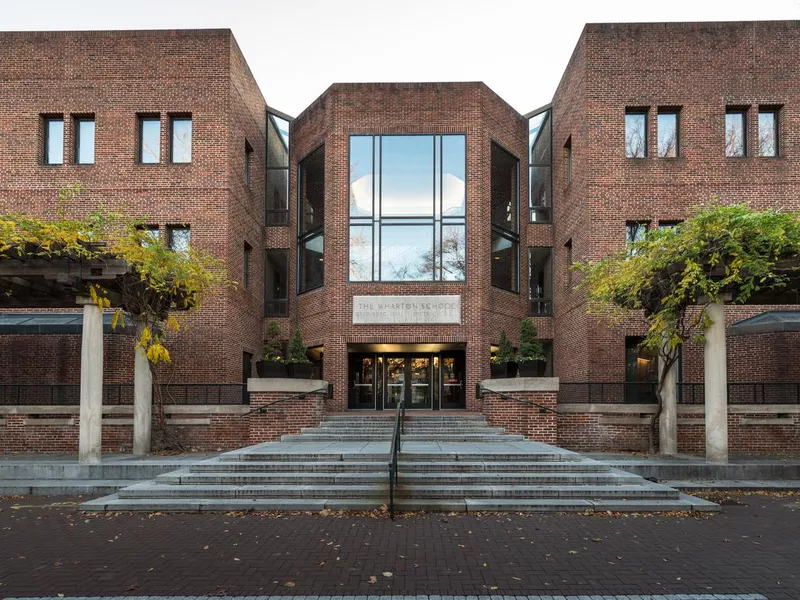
404, 348
771, 321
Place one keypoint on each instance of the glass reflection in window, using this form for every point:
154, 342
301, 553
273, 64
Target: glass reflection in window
181, 139
636, 134
406, 253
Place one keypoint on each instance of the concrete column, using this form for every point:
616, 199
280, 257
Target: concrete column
668, 422
142, 403
91, 413
716, 386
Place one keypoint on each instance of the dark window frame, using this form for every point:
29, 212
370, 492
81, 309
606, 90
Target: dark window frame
175, 118
171, 229
276, 217
46, 120
775, 110
509, 234
568, 246
676, 111
540, 301
540, 211
77, 119
142, 118
743, 111
642, 111
304, 236
568, 148
276, 307
248, 159
246, 254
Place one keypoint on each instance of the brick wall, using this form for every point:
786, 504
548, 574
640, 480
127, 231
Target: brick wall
284, 418
523, 419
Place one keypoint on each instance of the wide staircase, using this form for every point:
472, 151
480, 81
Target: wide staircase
450, 462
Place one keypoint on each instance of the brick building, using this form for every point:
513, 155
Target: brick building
401, 227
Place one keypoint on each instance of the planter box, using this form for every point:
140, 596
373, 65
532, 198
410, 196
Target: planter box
299, 370
503, 370
270, 368
532, 368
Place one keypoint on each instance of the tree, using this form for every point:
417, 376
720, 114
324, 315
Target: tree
505, 350
530, 348
298, 352
673, 274
159, 289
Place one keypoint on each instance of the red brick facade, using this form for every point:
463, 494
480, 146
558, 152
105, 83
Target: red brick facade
283, 418
518, 418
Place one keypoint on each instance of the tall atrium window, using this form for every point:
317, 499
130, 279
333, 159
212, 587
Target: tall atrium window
668, 124
540, 169
181, 144
505, 222
277, 193
635, 133
540, 265
735, 132
149, 139
311, 221
53, 140
767, 131
407, 208
84, 140
276, 283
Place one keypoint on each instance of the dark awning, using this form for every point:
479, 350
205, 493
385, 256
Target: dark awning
771, 321
52, 323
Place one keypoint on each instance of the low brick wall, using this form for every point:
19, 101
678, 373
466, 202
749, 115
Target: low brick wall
286, 417
761, 429
518, 417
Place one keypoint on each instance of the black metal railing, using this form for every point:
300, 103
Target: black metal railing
540, 307
60, 394
744, 392
325, 391
602, 392
481, 389
204, 393
397, 441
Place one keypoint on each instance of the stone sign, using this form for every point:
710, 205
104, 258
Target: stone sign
383, 310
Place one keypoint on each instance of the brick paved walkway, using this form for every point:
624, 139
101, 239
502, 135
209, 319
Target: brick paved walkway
752, 548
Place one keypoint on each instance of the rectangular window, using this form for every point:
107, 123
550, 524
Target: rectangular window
505, 224
641, 372
53, 141
540, 168
767, 132
540, 267
276, 283
150, 234
248, 159
181, 146
84, 140
668, 224
736, 132
636, 132
277, 179
635, 231
568, 148
178, 237
311, 221
248, 250
149, 139
568, 248
407, 208
668, 122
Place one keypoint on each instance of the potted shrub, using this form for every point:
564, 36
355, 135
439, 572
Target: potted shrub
503, 365
530, 357
271, 362
298, 365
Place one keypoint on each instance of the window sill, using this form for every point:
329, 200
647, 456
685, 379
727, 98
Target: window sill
499, 289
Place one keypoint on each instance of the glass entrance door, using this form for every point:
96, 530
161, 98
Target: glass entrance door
408, 378
362, 382
453, 381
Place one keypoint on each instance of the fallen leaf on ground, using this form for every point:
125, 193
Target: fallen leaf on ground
372, 579
387, 573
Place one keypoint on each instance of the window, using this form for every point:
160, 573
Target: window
634, 232
311, 221
248, 250
636, 133
84, 140
736, 132
181, 146
150, 234
568, 248
277, 193
149, 139
407, 208
505, 223
53, 140
568, 149
641, 372
276, 283
668, 123
767, 131
668, 224
248, 159
540, 169
178, 237
540, 266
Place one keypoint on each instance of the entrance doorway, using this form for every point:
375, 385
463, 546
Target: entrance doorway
425, 381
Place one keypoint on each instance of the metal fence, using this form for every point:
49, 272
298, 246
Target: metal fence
115, 394
688, 393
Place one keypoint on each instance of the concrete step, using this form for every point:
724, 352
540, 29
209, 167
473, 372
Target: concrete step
323, 466
376, 437
306, 456
410, 431
365, 491
63, 487
380, 477
410, 416
493, 457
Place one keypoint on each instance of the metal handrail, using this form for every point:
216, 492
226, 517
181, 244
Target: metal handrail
399, 429
504, 396
322, 390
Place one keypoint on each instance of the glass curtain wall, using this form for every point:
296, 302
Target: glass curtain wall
311, 221
540, 167
277, 192
505, 220
407, 208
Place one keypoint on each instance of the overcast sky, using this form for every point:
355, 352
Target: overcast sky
297, 48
